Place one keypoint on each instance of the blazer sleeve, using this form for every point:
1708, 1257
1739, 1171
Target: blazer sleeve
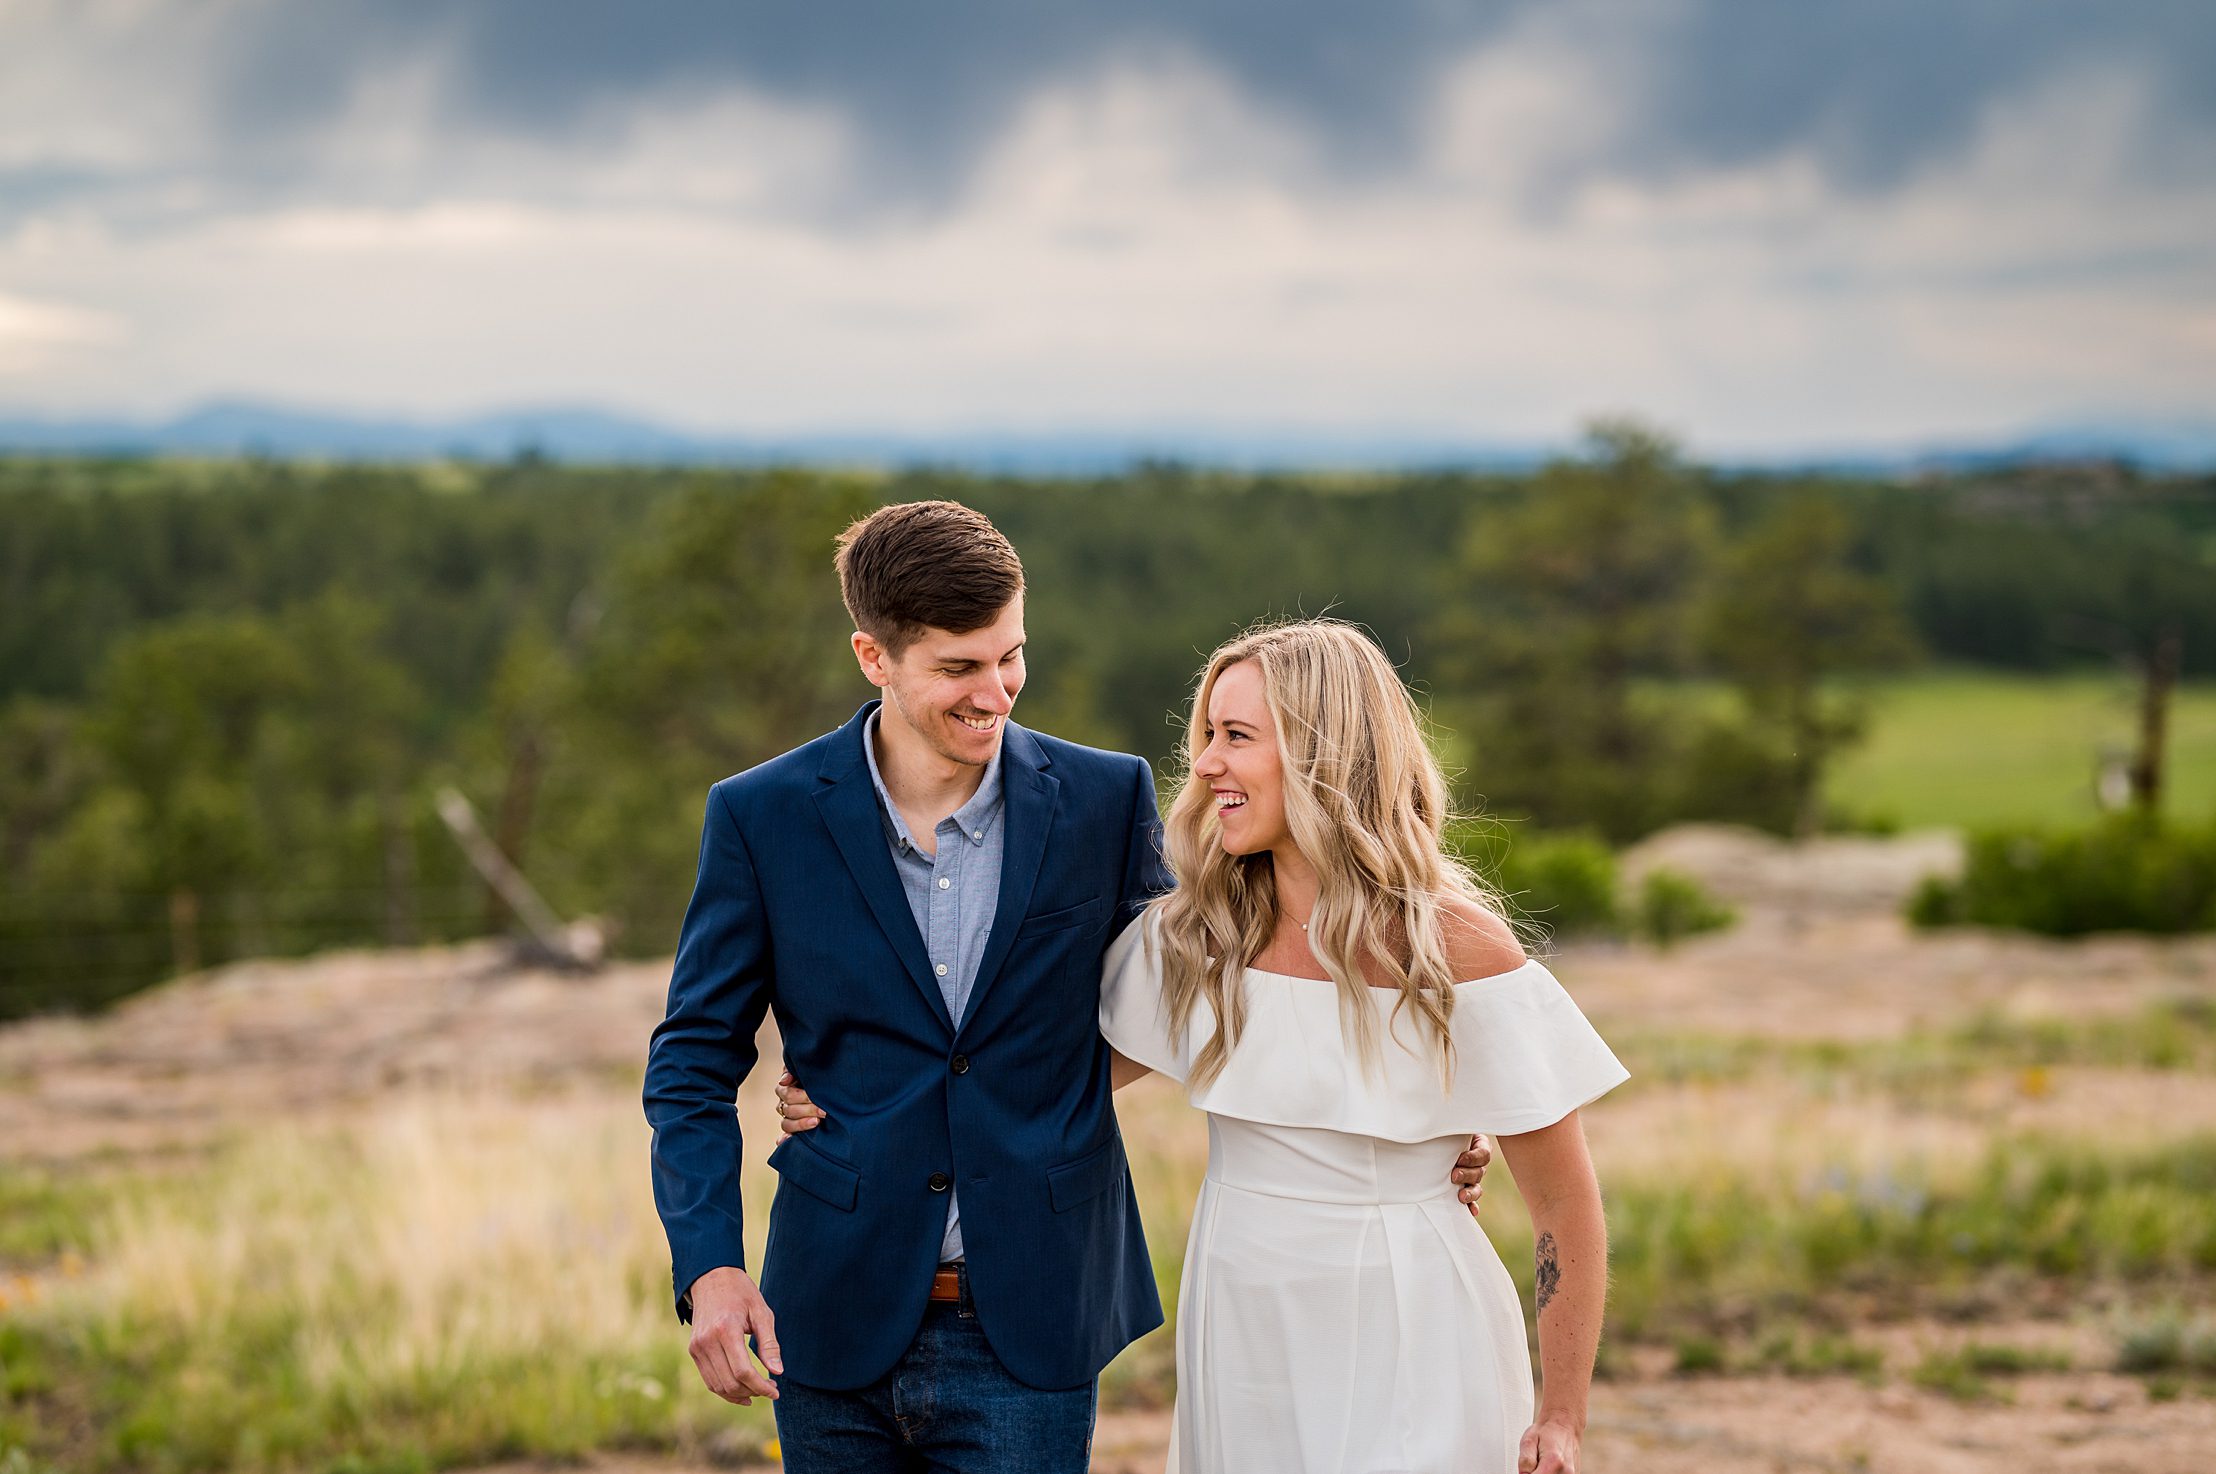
1146, 874
704, 1046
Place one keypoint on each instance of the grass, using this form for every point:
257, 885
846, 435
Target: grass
449, 1281
1704, 1249
1973, 748
444, 1283
44, 1213
1967, 1372
2169, 1035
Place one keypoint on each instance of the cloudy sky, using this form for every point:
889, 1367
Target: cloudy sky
1765, 224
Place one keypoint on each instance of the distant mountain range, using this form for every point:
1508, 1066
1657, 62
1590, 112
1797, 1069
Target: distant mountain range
596, 436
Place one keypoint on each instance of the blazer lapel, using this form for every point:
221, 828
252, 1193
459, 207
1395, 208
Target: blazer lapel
848, 802
1031, 794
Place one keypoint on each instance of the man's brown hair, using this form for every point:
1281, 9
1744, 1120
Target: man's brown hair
918, 565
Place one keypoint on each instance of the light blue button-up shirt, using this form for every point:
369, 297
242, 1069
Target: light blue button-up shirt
953, 896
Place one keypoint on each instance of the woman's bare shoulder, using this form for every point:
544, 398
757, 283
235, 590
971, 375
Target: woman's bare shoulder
1480, 944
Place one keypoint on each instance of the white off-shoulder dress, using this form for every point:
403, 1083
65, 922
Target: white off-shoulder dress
1340, 1312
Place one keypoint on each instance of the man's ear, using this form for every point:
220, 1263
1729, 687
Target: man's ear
872, 657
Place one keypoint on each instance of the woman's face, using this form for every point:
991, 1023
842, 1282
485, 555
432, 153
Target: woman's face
1241, 764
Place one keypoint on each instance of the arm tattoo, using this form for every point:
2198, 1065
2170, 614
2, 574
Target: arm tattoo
1550, 1273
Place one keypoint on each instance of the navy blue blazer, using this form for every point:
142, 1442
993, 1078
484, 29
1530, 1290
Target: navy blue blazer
798, 910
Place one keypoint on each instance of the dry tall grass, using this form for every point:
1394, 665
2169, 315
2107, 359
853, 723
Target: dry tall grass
447, 1277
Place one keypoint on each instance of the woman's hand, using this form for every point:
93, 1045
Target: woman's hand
795, 1111
1550, 1446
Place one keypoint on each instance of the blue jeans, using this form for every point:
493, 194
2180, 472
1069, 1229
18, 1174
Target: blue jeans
947, 1407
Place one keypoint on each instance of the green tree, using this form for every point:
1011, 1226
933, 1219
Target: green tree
179, 721
343, 784
1785, 614
2141, 619
253, 778
721, 642
533, 697
1567, 600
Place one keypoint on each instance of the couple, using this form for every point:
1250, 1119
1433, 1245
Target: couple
970, 939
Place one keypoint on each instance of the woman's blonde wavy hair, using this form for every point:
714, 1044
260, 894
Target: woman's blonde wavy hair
1366, 803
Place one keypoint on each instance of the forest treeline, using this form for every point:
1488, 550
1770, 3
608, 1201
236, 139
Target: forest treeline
230, 690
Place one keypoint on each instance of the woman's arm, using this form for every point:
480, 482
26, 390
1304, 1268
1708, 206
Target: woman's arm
1555, 1174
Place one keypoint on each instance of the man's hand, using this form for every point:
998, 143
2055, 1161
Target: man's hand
796, 1113
726, 1309
1469, 1172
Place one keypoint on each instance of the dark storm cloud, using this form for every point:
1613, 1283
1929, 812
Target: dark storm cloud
1871, 89
1874, 88
926, 88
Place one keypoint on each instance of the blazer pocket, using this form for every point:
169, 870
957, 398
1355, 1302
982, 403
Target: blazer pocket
1086, 1178
1064, 919
816, 1174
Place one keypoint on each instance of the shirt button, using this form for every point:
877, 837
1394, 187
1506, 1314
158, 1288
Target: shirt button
940, 1182
961, 1064
942, 969
977, 834
944, 882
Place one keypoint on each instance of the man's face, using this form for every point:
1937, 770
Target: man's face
954, 691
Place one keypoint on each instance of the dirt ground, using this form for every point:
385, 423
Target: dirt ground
2076, 1424
1819, 953
1766, 1425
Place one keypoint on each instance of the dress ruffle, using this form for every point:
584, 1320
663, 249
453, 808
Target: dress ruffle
1525, 1056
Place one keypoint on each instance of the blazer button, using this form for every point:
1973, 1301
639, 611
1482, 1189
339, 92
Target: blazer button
940, 1182
961, 1064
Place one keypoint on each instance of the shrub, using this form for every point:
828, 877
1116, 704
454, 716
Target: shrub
2125, 873
1699, 1356
1820, 1355
2167, 1342
1732, 772
1953, 1376
1564, 882
1672, 905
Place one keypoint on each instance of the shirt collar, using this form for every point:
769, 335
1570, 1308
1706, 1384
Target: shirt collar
973, 817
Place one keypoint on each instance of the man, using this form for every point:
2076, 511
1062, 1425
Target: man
923, 897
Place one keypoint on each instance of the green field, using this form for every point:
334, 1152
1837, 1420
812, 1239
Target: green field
1976, 748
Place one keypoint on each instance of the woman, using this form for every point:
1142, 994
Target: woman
1347, 1005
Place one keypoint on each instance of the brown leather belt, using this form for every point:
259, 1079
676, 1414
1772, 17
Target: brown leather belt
946, 1285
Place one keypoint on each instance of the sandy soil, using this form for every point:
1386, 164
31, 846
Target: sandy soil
2074, 1424
180, 1064
1819, 953
1775, 1425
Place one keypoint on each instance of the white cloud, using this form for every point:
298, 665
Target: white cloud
1144, 249
39, 335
